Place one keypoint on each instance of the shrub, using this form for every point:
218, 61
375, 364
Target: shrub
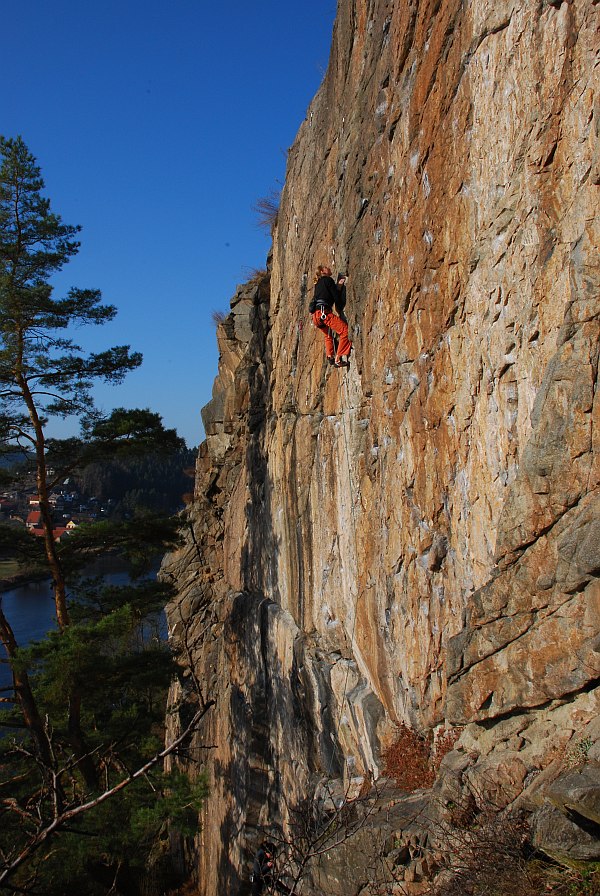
258, 279
444, 742
255, 275
267, 210
483, 851
218, 317
413, 759
407, 760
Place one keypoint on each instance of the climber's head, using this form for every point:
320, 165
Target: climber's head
322, 271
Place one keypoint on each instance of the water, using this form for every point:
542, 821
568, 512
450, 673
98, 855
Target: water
31, 612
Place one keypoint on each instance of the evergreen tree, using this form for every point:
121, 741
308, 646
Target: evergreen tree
87, 705
147, 483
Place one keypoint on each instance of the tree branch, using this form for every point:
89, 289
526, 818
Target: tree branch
68, 815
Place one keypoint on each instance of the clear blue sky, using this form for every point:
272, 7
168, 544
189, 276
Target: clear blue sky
157, 126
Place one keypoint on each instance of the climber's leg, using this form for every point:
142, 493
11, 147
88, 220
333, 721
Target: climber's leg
324, 327
340, 327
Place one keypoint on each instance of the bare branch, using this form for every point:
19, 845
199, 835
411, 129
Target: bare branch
68, 815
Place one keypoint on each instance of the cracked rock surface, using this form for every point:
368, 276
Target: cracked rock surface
415, 540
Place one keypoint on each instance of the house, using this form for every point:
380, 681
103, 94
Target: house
58, 533
34, 520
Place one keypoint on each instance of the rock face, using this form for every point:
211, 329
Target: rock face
415, 540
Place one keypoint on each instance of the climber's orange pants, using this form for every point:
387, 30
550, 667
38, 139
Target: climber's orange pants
333, 323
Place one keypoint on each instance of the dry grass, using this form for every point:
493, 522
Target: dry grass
481, 849
413, 760
255, 275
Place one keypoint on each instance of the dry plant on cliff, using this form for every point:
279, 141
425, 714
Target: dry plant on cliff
476, 849
413, 760
482, 850
217, 317
267, 210
255, 275
327, 821
317, 825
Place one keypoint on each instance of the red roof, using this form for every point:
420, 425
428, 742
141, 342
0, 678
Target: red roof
56, 533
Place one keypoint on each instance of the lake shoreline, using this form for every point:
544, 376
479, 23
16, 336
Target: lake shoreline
25, 578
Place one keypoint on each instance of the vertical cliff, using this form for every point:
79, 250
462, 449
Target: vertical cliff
415, 540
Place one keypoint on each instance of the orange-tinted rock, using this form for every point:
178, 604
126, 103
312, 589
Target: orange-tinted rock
415, 538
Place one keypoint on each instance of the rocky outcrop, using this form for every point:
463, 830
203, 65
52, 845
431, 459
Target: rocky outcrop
415, 540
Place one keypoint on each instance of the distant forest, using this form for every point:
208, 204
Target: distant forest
139, 484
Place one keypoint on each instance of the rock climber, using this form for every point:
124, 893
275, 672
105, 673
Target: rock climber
264, 876
327, 296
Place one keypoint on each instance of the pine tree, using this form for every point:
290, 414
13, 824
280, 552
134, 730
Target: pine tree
88, 702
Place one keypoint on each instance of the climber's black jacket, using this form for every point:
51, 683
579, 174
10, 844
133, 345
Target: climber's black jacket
326, 293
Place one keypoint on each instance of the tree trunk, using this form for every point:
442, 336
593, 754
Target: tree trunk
26, 700
60, 591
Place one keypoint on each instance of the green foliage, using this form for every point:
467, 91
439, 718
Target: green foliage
577, 752
180, 804
17, 543
114, 843
149, 482
37, 365
588, 883
83, 800
112, 660
122, 680
33, 241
